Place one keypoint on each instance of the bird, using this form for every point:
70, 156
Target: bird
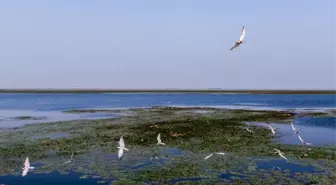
296, 131
159, 142
241, 39
121, 147
218, 153
280, 153
71, 159
249, 130
302, 141
276, 167
154, 157
271, 128
26, 167
207, 157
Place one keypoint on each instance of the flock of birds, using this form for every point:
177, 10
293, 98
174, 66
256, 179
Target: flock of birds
295, 131
122, 148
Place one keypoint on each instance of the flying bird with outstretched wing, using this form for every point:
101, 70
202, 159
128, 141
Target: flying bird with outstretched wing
121, 147
241, 39
26, 167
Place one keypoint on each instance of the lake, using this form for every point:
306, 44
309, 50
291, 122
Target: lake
15, 110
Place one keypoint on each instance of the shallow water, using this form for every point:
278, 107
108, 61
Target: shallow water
52, 105
318, 131
53, 178
284, 165
7, 118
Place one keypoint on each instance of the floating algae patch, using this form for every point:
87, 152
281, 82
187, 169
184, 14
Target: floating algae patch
79, 111
29, 118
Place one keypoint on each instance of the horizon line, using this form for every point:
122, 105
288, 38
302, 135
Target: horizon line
169, 90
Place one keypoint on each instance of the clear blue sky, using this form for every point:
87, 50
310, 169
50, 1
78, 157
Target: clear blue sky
290, 44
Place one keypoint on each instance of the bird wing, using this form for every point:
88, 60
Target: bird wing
281, 155
220, 153
270, 126
273, 131
66, 162
300, 138
242, 34
27, 164
236, 45
292, 125
207, 157
24, 172
121, 142
120, 153
159, 138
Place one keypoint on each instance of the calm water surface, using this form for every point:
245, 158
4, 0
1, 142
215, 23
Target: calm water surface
54, 178
318, 131
57, 102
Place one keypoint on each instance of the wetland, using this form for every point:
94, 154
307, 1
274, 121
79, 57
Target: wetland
189, 133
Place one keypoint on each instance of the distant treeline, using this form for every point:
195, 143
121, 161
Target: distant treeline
166, 91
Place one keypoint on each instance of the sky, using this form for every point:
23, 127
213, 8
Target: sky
154, 44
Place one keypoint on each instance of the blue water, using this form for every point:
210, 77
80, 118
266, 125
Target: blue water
56, 102
284, 165
54, 178
319, 131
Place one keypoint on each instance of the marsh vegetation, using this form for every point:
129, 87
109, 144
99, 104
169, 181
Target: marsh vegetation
189, 135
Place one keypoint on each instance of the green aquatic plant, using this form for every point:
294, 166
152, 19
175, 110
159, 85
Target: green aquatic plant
94, 143
29, 118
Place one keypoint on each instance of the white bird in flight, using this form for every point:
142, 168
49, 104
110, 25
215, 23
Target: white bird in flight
276, 167
296, 131
159, 142
280, 153
241, 39
26, 167
249, 130
121, 147
71, 159
218, 153
302, 141
271, 128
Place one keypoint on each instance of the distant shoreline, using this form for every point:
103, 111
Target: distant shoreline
196, 91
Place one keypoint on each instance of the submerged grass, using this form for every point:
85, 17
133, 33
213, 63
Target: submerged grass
219, 130
29, 118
